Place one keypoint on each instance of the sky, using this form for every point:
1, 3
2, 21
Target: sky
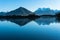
32, 5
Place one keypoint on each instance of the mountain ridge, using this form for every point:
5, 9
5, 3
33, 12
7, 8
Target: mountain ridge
25, 12
45, 11
20, 11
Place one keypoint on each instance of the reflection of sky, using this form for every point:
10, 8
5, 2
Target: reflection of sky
7, 5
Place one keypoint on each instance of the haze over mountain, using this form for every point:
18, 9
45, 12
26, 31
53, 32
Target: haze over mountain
45, 11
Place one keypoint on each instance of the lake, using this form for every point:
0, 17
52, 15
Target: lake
26, 29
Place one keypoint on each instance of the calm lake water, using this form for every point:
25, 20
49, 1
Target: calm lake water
26, 29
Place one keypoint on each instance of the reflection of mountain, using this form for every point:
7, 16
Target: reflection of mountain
41, 20
20, 22
45, 21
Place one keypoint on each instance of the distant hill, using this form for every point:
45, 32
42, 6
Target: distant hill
20, 11
45, 11
2, 13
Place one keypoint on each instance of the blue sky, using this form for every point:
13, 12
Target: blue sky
8, 5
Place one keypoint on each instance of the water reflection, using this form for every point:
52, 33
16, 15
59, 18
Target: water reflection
45, 21
40, 21
38, 29
20, 22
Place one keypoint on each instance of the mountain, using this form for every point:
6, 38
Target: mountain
20, 11
2, 13
45, 11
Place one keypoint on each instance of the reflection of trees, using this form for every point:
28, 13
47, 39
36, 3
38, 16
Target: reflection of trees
58, 16
39, 20
20, 20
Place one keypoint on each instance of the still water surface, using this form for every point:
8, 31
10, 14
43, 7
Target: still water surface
25, 29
